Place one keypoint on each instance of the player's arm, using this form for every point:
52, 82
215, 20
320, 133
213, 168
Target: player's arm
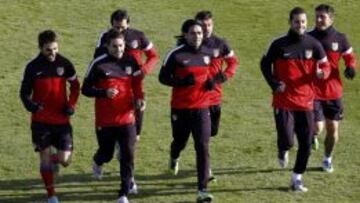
167, 76
137, 86
231, 62
350, 60
266, 66
72, 78
26, 91
152, 58
88, 89
323, 66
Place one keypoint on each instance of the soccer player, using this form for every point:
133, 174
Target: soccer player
328, 106
290, 66
186, 70
137, 45
111, 80
223, 53
43, 92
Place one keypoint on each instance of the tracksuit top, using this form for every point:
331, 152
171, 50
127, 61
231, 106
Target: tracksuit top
108, 72
336, 46
136, 44
180, 62
294, 59
221, 52
44, 83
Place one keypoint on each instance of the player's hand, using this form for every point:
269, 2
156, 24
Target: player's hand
36, 107
140, 104
111, 92
279, 87
220, 77
68, 111
349, 73
210, 84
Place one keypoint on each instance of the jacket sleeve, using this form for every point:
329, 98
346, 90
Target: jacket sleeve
88, 89
26, 90
166, 76
232, 63
152, 58
266, 66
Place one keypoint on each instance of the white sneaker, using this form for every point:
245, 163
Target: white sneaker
298, 186
283, 159
97, 171
174, 166
123, 199
327, 166
133, 188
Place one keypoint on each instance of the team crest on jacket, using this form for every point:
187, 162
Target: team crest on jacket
308, 53
334, 46
216, 53
207, 60
134, 44
128, 70
60, 71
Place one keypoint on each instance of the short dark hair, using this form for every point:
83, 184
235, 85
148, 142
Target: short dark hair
113, 34
296, 11
203, 15
188, 24
325, 8
46, 36
119, 15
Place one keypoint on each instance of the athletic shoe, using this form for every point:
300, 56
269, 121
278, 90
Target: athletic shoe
315, 143
133, 187
53, 199
212, 179
123, 199
204, 197
173, 166
283, 158
97, 171
298, 186
327, 166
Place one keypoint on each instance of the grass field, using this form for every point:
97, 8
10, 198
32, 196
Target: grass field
243, 155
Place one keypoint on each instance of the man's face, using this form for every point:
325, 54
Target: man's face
323, 20
194, 36
120, 25
298, 23
49, 50
116, 47
208, 26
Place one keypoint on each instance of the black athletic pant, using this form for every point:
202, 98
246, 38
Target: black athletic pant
198, 123
126, 138
300, 123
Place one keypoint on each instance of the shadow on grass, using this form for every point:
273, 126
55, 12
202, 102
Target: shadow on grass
82, 187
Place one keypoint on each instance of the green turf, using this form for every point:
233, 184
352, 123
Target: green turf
244, 153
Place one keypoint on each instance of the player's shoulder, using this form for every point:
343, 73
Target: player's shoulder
135, 32
279, 40
104, 58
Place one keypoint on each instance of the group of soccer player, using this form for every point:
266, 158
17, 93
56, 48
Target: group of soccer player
115, 78
302, 71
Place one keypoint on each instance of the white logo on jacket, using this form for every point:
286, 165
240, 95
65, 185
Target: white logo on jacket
308, 53
216, 53
134, 44
334, 46
207, 60
60, 71
128, 70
